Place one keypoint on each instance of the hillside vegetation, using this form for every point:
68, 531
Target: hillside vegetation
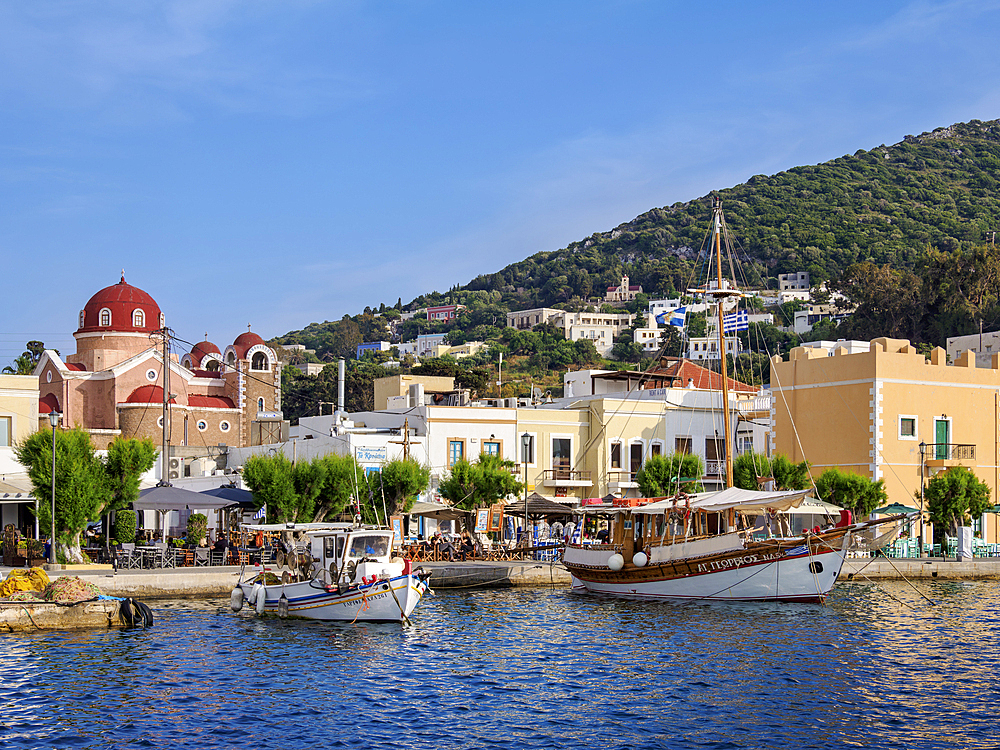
904, 231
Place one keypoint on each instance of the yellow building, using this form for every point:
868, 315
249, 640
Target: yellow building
595, 445
869, 412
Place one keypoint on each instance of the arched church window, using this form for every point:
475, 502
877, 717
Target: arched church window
259, 361
138, 319
105, 317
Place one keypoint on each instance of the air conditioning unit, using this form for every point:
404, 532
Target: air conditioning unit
176, 468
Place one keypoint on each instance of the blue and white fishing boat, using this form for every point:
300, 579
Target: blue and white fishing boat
338, 571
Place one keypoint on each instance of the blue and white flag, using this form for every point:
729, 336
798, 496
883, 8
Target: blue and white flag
677, 317
260, 513
737, 321
796, 551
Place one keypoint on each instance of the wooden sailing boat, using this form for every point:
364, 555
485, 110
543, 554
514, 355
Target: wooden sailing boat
701, 546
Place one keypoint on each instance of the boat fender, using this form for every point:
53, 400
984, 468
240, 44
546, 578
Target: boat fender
283, 606
640, 559
407, 566
616, 562
126, 613
145, 614
236, 599
261, 601
252, 595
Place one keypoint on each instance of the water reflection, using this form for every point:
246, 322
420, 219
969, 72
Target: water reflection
878, 666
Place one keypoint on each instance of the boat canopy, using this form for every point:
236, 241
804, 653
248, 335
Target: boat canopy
745, 501
299, 526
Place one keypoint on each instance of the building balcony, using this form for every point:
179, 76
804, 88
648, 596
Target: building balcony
714, 468
622, 480
566, 478
947, 455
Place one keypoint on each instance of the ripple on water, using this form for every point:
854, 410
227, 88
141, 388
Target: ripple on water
878, 666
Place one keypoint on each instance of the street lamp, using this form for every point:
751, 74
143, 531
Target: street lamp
54, 417
525, 445
923, 451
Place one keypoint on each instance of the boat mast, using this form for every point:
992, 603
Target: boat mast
721, 295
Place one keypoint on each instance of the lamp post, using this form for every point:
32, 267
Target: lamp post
54, 417
525, 444
923, 451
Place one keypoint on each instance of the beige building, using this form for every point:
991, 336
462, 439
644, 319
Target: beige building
870, 412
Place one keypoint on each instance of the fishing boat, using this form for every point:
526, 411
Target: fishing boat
705, 546
336, 571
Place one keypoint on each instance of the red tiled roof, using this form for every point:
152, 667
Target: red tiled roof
210, 402
147, 394
206, 373
76, 366
685, 369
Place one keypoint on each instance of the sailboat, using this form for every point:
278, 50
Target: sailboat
702, 546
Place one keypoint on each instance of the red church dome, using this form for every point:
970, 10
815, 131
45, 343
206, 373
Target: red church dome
121, 308
245, 341
199, 350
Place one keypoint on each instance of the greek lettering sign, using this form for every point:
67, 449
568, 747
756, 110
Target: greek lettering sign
365, 455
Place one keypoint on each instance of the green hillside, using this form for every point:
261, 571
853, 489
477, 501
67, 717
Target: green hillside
904, 231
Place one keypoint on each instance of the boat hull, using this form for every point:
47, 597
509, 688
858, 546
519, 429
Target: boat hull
389, 600
764, 572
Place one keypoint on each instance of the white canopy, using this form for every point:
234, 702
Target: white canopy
745, 501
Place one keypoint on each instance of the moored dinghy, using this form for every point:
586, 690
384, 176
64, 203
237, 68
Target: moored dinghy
345, 572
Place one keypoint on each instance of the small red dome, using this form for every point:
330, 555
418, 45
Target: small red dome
147, 394
199, 350
245, 341
128, 310
48, 403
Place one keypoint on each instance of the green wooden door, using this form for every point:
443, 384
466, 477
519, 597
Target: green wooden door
941, 438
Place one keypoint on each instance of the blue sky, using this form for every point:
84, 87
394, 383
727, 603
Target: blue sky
280, 163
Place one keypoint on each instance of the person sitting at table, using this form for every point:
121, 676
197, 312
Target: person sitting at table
445, 547
467, 546
221, 543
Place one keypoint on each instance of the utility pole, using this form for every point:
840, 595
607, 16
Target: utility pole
405, 442
165, 470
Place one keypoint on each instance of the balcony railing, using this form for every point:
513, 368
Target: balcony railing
621, 476
950, 452
714, 468
566, 475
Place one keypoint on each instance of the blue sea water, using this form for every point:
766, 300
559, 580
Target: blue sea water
878, 666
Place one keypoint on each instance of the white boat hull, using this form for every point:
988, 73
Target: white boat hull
389, 600
734, 577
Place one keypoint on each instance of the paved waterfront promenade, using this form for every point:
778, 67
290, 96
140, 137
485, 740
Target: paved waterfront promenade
219, 580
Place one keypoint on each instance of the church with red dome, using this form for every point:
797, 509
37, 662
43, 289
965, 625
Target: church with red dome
113, 385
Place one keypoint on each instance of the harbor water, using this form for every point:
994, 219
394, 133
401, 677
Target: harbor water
877, 666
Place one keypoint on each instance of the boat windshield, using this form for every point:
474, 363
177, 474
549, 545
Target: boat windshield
369, 546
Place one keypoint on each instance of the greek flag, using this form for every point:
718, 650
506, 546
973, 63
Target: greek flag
677, 317
737, 321
260, 513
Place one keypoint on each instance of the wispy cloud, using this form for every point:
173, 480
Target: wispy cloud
141, 61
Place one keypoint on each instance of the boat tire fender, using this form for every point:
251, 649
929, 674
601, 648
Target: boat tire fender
127, 613
146, 614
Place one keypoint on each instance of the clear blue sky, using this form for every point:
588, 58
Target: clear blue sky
280, 163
